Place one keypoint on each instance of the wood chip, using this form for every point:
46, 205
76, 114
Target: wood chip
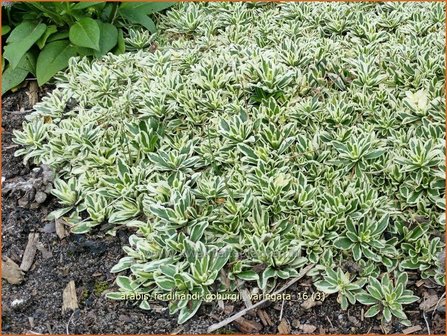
265, 318
412, 329
33, 93
308, 328
11, 272
30, 252
45, 253
61, 229
245, 294
228, 309
310, 303
69, 298
429, 302
284, 327
420, 282
247, 326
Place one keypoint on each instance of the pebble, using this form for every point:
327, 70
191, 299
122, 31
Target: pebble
18, 304
40, 197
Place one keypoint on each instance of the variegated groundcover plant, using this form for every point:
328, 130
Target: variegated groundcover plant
250, 139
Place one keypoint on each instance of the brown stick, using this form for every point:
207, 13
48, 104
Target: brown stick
30, 252
244, 311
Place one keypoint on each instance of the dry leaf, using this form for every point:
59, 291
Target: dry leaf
284, 327
247, 326
411, 330
307, 328
11, 272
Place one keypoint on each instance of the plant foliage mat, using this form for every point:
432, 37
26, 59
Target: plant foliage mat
254, 139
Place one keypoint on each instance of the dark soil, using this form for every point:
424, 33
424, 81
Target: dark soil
87, 259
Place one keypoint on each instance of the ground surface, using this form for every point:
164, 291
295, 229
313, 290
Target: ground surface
87, 259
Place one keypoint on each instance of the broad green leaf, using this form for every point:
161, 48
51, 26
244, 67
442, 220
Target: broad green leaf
13, 77
138, 17
15, 50
53, 58
43, 39
83, 5
58, 36
108, 38
85, 33
146, 7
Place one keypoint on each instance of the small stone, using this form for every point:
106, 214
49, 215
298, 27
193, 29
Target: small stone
23, 202
18, 304
47, 175
40, 197
124, 318
11, 272
49, 228
308, 328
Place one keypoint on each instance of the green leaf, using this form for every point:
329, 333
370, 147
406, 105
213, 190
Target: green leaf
146, 7
365, 298
165, 283
144, 305
138, 17
387, 314
43, 39
13, 77
5, 29
357, 252
53, 58
121, 46
248, 276
15, 50
116, 295
83, 5
58, 36
124, 282
399, 314
85, 33
343, 243
108, 38
22, 31
58, 213
197, 231
375, 154
373, 311
407, 299
81, 228
188, 311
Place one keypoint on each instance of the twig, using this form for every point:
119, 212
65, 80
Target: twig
282, 309
426, 323
330, 322
437, 305
19, 112
244, 311
68, 323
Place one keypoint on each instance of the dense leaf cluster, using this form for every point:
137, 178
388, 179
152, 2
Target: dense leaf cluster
41, 37
256, 139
